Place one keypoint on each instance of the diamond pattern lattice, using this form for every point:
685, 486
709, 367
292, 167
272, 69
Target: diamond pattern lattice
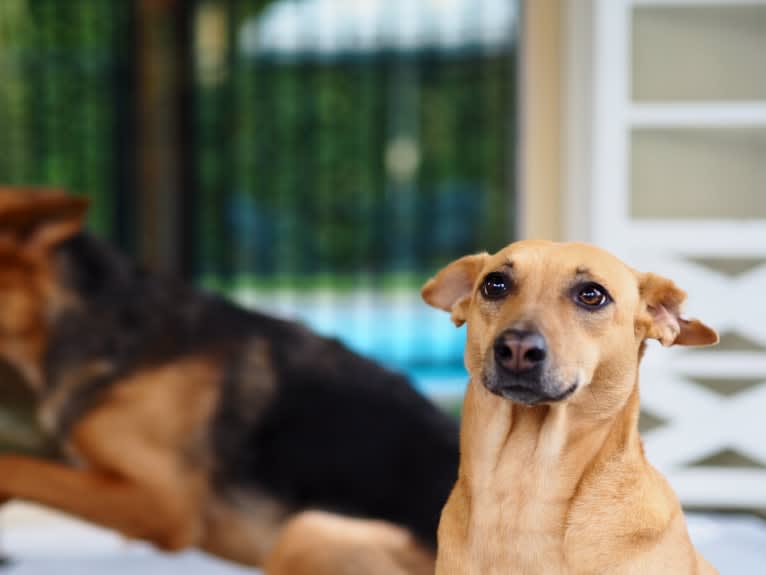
712, 400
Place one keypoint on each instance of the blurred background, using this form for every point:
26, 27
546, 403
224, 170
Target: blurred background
319, 159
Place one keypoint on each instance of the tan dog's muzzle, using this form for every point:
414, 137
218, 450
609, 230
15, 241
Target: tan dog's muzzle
519, 369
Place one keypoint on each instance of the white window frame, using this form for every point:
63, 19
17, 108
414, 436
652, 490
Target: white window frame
599, 116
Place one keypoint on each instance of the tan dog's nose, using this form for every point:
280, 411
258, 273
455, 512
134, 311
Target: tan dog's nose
520, 351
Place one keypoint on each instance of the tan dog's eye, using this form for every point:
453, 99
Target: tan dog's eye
592, 296
495, 286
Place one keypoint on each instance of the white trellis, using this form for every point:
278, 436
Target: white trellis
697, 422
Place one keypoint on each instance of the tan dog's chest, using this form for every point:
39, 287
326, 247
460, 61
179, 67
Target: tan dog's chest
500, 536
492, 547
517, 523
532, 527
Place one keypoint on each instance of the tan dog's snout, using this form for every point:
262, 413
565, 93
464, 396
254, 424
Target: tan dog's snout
520, 368
520, 352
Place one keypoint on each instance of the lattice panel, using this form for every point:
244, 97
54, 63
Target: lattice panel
710, 402
701, 222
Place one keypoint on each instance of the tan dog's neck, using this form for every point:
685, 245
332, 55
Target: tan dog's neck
512, 443
526, 467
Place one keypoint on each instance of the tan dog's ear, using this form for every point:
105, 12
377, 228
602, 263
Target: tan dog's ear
663, 300
38, 219
451, 288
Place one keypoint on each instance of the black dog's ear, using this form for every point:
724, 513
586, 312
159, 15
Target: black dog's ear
39, 218
451, 288
662, 317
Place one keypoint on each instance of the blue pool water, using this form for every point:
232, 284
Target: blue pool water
398, 330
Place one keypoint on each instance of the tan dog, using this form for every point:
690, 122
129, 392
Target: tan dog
553, 477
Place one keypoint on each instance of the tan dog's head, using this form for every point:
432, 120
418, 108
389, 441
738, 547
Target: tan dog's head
32, 223
550, 322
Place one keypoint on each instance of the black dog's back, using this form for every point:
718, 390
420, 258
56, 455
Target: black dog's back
338, 432
344, 434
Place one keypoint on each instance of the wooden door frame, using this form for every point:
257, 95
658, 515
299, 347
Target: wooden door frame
163, 132
556, 95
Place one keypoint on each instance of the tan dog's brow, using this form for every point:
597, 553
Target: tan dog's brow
584, 274
504, 267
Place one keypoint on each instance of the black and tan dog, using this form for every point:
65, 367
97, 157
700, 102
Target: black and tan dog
188, 421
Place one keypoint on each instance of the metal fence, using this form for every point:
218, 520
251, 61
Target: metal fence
333, 154
361, 146
66, 84
348, 142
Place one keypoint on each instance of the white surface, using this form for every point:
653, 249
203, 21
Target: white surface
39, 542
734, 544
42, 543
682, 115
331, 27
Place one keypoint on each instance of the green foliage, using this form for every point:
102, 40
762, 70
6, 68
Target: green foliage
292, 161
60, 66
292, 157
